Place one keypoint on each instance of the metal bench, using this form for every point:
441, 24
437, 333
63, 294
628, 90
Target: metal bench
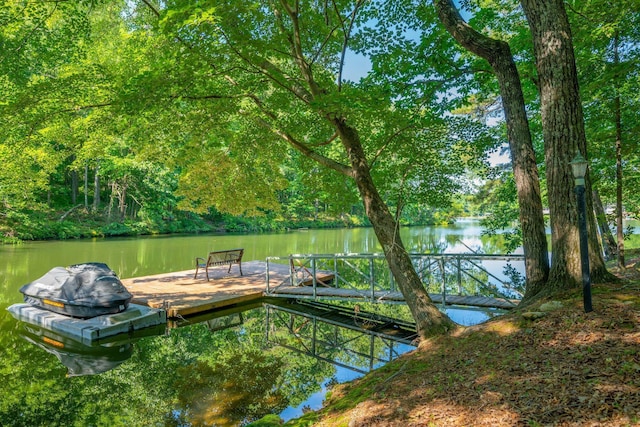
216, 258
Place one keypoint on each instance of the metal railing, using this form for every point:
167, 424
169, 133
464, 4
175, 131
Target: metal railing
368, 275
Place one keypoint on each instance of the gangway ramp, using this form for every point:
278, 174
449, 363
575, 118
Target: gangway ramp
450, 279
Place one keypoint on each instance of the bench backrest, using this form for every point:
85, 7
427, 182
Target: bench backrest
232, 255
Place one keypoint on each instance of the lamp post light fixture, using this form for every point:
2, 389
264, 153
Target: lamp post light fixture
579, 168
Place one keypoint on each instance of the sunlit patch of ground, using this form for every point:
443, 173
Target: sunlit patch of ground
568, 368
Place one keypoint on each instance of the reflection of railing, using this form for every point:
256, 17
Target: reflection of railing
351, 339
367, 276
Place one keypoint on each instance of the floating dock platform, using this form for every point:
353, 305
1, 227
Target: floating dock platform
181, 295
135, 317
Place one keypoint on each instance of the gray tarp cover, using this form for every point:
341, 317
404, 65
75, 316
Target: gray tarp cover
87, 285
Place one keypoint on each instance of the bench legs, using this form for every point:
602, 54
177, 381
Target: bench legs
206, 269
200, 263
239, 266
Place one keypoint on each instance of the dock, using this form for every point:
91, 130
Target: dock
87, 331
182, 295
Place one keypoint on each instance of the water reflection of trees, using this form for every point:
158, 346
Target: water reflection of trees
240, 385
192, 376
195, 375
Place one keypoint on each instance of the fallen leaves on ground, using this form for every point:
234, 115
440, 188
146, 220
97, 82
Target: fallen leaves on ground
567, 368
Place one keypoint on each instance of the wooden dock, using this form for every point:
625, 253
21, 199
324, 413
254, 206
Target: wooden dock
181, 295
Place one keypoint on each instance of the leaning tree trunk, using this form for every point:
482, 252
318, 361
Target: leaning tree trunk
564, 136
608, 242
429, 320
523, 158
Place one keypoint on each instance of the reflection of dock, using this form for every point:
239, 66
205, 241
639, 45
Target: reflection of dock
349, 318
356, 340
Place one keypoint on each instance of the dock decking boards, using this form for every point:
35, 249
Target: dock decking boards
182, 295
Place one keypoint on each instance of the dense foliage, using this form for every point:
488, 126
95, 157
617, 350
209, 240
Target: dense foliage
118, 120
99, 108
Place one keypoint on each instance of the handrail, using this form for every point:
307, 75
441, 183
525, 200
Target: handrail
368, 274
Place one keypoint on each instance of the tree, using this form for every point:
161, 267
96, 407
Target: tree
36, 40
564, 136
275, 69
607, 57
523, 158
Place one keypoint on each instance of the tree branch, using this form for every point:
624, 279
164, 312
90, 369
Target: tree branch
347, 37
300, 146
386, 144
152, 8
272, 72
308, 152
467, 36
296, 48
33, 30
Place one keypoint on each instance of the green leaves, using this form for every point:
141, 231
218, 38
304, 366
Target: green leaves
220, 92
607, 54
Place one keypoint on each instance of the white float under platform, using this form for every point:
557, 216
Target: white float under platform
135, 317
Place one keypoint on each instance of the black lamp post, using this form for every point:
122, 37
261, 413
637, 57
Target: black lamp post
579, 167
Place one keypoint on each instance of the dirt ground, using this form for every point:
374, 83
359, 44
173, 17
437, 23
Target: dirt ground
550, 364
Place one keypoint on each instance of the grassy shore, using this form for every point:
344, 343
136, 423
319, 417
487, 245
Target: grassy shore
549, 364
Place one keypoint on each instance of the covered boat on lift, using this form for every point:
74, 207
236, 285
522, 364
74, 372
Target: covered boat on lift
81, 290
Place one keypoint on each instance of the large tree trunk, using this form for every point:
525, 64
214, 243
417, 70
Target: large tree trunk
564, 136
429, 320
523, 159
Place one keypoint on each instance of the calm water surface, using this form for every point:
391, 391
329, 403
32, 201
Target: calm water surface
217, 371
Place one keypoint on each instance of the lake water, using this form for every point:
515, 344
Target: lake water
213, 371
